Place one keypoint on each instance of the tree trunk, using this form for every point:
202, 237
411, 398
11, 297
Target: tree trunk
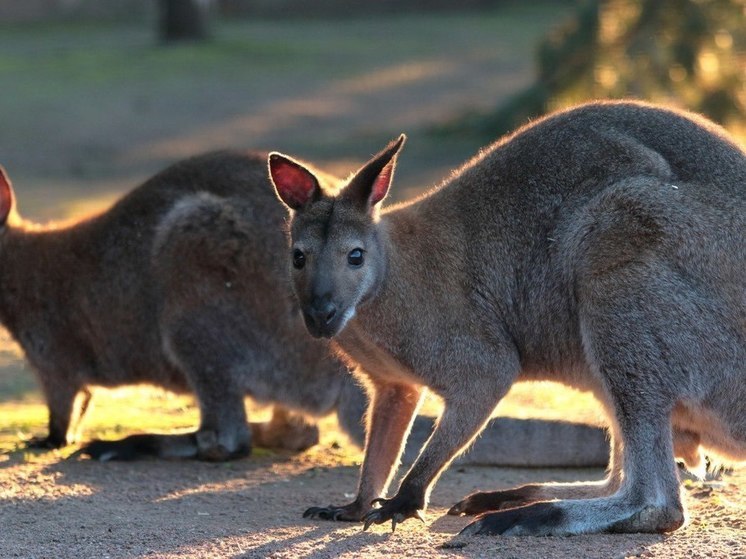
182, 20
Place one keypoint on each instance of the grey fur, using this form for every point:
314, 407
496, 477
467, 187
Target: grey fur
602, 247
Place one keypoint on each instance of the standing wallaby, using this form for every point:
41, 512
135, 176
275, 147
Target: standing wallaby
602, 247
177, 285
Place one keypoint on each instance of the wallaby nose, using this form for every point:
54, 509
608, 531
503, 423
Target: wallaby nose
323, 312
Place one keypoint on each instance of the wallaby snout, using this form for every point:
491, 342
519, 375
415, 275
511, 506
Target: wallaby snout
322, 318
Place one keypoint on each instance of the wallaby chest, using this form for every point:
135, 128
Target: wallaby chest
377, 357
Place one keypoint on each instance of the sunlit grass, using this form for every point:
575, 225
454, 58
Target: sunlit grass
117, 413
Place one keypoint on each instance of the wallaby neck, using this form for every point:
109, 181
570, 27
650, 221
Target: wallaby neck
422, 247
26, 250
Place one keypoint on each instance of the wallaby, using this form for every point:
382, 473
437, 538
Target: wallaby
177, 286
174, 287
602, 247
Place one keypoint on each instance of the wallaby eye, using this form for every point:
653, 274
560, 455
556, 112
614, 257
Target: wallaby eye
355, 257
299, 259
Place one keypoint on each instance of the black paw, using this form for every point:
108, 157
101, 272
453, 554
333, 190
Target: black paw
477, 503
45, 443
539, 519
396, 510
346, 513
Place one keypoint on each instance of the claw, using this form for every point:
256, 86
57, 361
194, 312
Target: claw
456, 509
418, 514
370, 518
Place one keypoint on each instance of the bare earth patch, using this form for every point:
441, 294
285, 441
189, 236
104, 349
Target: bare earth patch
252, 508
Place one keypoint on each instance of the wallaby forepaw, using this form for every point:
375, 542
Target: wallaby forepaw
539, 519
45, 443
347, 513
396, 510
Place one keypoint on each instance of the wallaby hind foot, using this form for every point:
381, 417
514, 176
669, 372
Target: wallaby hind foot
570, 518
202, 445
286, 430
686, 447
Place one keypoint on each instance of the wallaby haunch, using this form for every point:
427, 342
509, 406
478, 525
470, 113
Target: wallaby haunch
602, 247
174, 286
177, 286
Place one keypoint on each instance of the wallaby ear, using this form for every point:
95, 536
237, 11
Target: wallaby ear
295, 185
371, 183
6, 196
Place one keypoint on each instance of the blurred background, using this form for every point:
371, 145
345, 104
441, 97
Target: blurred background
99, 94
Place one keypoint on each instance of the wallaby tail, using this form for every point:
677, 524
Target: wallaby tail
135, 447
535, 443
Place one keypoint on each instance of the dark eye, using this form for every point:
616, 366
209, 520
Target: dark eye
355, 257
299, 259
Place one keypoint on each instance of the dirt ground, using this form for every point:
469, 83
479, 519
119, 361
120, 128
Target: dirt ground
252, 508
77, 136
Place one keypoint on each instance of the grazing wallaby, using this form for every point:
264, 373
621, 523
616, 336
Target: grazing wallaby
174, 286
602, 247
177, 286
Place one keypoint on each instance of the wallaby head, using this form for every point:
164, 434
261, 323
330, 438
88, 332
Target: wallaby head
6, 196
337, 254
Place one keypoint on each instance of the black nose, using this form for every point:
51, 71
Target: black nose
323, 312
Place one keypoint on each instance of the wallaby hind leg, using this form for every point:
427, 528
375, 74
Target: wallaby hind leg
209, 347
286, 430
636, 339
486, 501
208, 443
686, 447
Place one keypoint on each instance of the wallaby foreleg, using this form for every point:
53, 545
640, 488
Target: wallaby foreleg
392, 410
461, 420
81, 405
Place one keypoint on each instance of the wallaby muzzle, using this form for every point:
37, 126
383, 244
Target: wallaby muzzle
323, 318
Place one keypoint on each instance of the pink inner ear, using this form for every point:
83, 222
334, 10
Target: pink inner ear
381, 184
294, 184
6, 196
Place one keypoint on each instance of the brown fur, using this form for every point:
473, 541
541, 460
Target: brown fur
155, 291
